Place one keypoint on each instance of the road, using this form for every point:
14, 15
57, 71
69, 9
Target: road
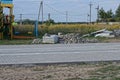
57, 53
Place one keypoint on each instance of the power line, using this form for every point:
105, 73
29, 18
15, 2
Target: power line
55, 9
62, 13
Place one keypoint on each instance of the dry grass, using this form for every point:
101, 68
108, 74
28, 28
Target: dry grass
87, 71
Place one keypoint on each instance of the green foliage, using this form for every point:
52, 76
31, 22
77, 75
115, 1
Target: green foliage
109, 68
49, 22
1, 17
118, 12
102, 14
48, 76
15, 42
74, 79
109, 14
106, 16
28, 21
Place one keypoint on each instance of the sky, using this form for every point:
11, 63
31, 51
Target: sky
77, 9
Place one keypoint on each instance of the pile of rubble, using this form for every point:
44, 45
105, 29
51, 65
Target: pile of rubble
37, 41
75, 38
72, 38
117, 33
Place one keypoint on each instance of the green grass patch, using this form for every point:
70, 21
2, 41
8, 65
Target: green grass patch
15, 42
74, 79
48, 76
110, 68
106, 73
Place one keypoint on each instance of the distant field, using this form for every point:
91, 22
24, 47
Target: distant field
70, 28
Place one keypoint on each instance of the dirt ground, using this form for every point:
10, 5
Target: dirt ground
76, 71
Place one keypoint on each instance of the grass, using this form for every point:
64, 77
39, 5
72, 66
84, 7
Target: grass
109, 68
48, 76
108, 72
73, 79
15, 42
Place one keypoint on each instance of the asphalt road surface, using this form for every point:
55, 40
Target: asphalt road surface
59, 53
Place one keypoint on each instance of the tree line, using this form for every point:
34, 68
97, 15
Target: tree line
109, 16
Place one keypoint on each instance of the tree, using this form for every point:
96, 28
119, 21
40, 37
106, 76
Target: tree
118, 12
1, 19
49, 22
109, 14
106, 16
102, 14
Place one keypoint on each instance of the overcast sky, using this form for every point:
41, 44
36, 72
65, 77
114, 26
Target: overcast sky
77, 9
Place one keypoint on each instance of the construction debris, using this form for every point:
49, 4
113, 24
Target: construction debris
106, 33
71, 38
117, 33
101, 33
77, 38
37, 41
50, 39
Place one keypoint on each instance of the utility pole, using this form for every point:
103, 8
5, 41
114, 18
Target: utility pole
88, 18
49, 16
37, 21
42, 12
39, 12
21, 15
41, 7
66, 17
97, 14
90, 12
